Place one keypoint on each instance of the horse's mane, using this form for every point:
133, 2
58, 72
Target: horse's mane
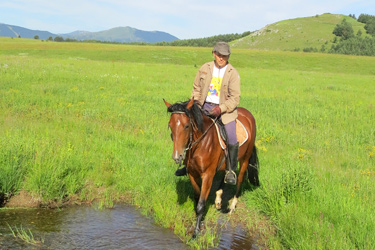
193, 113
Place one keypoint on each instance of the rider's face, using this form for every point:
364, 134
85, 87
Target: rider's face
220, 60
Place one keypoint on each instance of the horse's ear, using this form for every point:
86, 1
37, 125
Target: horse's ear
190, 104
166, 103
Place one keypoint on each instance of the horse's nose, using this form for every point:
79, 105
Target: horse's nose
177, 157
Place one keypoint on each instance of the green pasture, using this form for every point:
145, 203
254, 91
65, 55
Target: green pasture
87, 121
299, 33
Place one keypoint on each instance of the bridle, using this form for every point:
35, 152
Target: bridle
194, 127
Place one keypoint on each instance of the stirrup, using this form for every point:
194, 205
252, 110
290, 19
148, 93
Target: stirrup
229, 174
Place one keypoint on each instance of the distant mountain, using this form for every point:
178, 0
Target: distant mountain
119, 34
123, 34
16, 31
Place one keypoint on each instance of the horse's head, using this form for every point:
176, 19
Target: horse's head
181, 126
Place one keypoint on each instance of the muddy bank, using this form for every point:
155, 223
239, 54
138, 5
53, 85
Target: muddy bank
25, 199
22, 199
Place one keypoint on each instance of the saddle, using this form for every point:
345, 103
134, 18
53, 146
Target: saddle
242, 135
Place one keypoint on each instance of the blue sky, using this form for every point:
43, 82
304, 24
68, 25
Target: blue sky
182, 18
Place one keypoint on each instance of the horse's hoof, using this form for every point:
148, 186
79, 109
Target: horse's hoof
218, 203
218, 199
195, 234
233, 205
231, 211
218, 206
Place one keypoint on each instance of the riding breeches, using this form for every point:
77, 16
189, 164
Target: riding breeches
230, 127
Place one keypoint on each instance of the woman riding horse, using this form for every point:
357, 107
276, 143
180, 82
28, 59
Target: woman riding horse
216, 89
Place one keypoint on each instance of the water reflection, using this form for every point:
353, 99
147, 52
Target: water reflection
237, 239
86, 228
122, 227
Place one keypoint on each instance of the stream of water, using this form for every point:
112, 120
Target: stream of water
122, 227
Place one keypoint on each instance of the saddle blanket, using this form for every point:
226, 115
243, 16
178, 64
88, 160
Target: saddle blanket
242, 135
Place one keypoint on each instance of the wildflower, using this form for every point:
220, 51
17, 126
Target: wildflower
75, 89
303, 153
259, 145
371, 151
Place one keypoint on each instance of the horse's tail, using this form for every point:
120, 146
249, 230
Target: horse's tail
253, 168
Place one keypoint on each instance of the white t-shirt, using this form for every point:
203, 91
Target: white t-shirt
213, 94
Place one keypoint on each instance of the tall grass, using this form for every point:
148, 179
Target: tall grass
83, 117
25, 235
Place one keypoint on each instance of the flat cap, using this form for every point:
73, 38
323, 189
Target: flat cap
222, 48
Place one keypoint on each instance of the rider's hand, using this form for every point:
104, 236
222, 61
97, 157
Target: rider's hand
215, 111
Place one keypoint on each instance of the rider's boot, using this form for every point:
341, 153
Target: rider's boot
230, 176
181, 172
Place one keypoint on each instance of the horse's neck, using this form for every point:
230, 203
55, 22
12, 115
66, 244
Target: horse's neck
209, 132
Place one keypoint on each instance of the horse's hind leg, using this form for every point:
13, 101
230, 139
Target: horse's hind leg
253, 168
240, 177
219, 193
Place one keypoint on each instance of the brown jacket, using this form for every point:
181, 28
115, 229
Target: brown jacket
229, 92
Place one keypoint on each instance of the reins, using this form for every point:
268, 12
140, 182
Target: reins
200, 138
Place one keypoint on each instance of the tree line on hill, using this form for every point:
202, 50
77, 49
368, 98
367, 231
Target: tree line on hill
207, 41
346, 42
199, 42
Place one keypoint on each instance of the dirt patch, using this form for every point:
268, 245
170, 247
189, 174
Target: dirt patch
23, 199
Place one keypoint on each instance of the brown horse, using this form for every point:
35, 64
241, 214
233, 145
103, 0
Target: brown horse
196, 144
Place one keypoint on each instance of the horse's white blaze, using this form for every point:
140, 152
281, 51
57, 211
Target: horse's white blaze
233, 205
218, 198
176, 154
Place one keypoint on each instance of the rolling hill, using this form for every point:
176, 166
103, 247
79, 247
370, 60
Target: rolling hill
123, 34
7, 30
297, 34
119, 34
287, 35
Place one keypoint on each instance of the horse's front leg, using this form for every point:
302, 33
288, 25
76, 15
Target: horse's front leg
195, 183
201, 206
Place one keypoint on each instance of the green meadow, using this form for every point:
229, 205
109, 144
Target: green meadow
299, 33
87, 122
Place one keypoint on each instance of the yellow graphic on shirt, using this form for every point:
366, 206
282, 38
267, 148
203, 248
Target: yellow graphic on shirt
215, 86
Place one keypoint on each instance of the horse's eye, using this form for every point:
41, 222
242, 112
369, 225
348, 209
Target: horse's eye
186, 126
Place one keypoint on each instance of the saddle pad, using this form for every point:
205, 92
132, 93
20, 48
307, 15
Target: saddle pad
242, 135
